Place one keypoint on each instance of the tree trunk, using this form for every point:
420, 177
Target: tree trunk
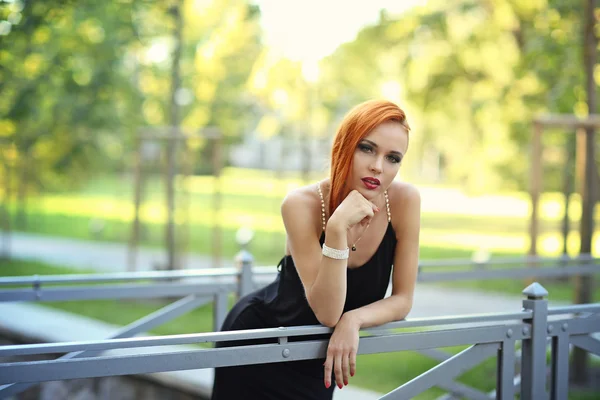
568, 189
21, 214
580, 361
172, 143
5, 215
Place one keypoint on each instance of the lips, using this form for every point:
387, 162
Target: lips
371, 183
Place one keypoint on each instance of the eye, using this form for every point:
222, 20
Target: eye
365, 148
394, 159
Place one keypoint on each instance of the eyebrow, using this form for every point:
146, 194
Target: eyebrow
375, 145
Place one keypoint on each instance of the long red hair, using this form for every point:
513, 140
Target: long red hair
357, 124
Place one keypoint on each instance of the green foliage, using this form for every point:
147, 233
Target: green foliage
472, 75
79, 79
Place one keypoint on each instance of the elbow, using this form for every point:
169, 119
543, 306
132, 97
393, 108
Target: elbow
325, 313
404, 307
328, 321
327, 317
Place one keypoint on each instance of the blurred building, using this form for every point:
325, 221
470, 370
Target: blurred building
283, 154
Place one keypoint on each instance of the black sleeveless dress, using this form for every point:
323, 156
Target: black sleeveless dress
283, 303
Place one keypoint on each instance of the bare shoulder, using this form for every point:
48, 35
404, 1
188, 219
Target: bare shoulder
405, 201
403, 193
302, 197
302, 205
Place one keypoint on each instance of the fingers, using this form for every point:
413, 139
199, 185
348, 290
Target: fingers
352, 363
345, 368
328, 366
337, 369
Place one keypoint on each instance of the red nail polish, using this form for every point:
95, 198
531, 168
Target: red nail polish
340, 385
351, 373
327, 385
345, 382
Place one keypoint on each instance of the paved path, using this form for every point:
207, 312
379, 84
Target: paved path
83, 254
430, 300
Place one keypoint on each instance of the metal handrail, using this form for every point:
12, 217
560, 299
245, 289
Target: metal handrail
253, 334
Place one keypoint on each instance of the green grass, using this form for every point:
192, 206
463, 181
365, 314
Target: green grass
378, 372
450, 229
266, 247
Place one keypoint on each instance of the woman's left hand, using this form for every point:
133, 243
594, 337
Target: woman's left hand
341, 352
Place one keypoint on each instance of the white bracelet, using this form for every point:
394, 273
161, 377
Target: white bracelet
335, 253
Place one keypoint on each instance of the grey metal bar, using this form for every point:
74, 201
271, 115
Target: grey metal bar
270, 270
254, 334
587, 343
113, 292
559, 388
157, 318
192, 359
39, 371
409, 341
436, 354
150, 341
577, 326
508, 273
451, 320
576, 308
462, 390
444, 371
220, 308
533, 361
120, 276
505, 388
508, 260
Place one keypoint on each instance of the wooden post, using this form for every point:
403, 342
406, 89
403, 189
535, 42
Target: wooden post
217, 167
568, 188
580, 360
138, 177
535, 185
5, 253
184, 204
172, 143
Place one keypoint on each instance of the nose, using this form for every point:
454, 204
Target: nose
377, 165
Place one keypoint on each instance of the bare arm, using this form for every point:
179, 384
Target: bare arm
343, 345
406, 219
323, 278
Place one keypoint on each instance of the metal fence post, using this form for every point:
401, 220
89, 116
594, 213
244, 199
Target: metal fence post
533, 361
220, 307
244, 261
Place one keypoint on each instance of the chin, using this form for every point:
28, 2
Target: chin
370, 194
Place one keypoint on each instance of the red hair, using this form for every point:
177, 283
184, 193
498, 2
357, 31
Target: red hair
357, 124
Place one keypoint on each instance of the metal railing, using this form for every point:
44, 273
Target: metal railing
488, 335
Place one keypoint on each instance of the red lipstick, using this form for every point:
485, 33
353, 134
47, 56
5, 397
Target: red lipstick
371, 183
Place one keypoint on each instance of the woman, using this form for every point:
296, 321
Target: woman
343, 236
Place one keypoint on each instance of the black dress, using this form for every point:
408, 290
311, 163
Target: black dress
283, 303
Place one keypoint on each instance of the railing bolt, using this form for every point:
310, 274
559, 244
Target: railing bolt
509, 333
550, 328
286, 353
525, 330
565, 326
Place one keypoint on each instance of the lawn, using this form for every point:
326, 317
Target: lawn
379, 372
453, 223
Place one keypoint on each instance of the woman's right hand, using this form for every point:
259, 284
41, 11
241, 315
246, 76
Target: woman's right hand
354, 209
